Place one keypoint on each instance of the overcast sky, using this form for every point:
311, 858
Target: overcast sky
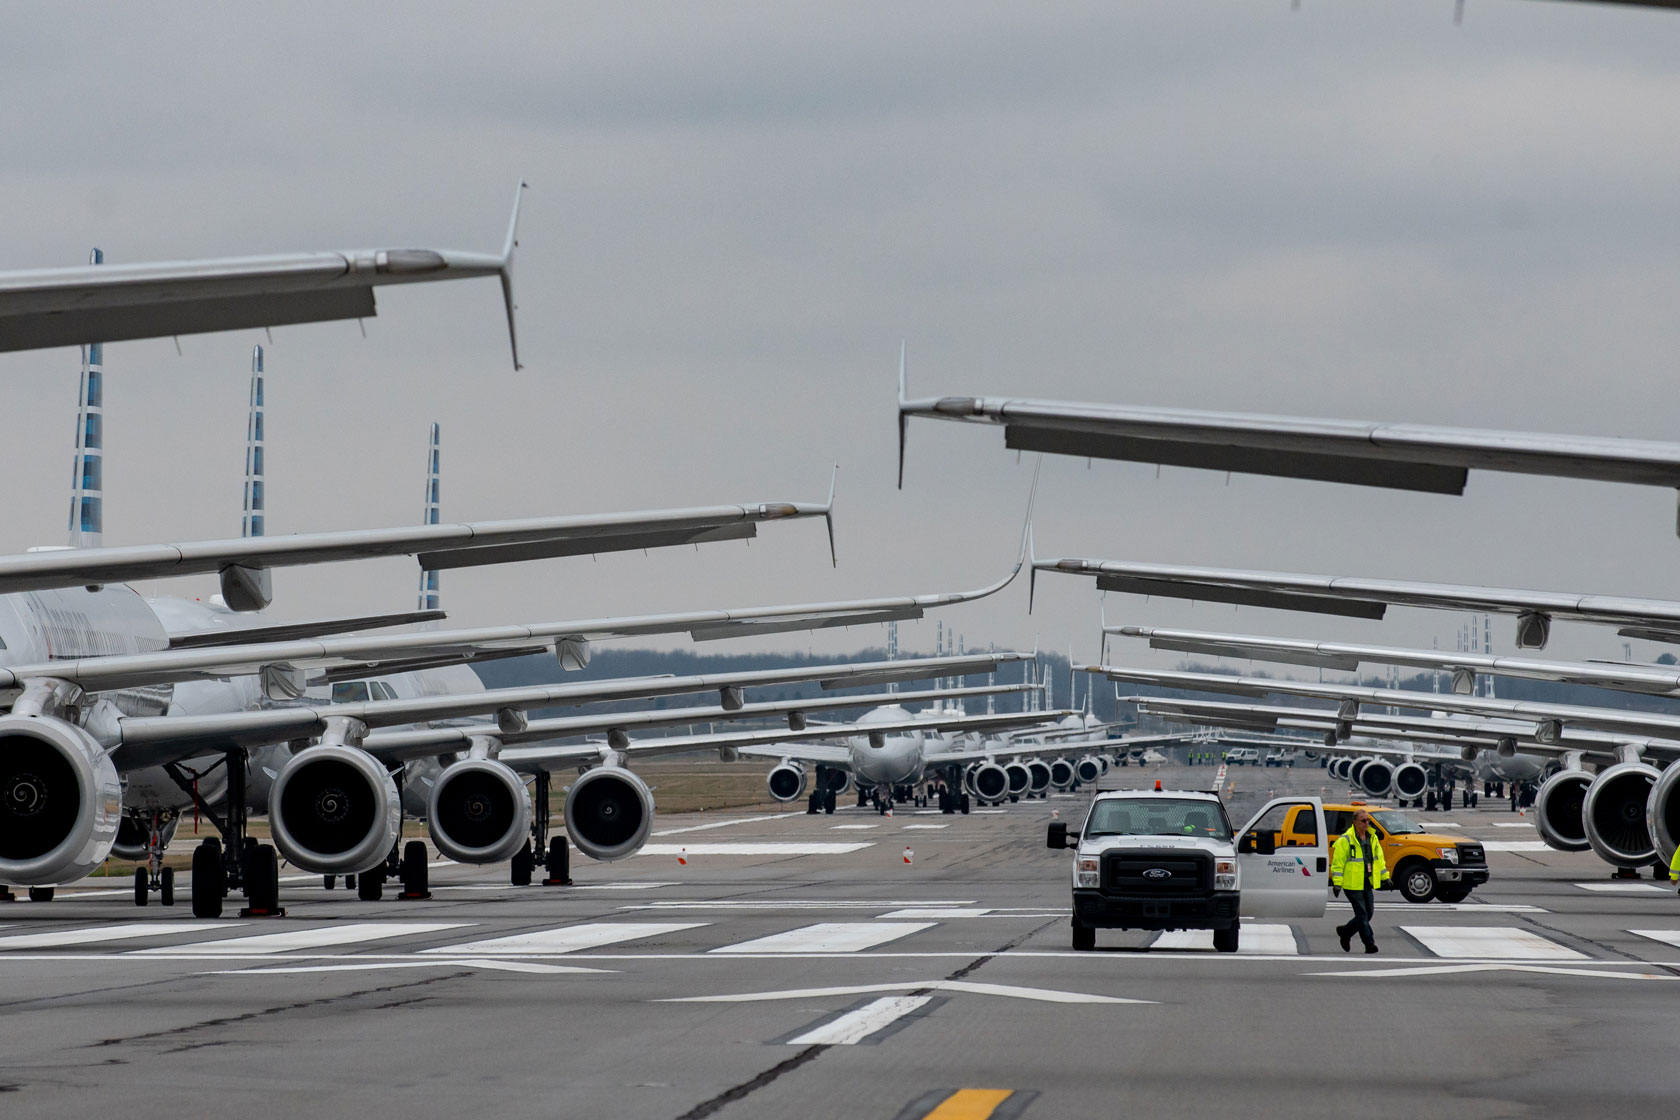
737, 211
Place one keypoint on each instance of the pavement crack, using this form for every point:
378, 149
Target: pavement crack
739, 1092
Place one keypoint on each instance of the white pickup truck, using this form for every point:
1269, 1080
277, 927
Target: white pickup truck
1167, 859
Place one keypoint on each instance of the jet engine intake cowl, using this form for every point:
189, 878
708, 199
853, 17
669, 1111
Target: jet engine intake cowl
1061, 773
1039, 772
787, 781
609, 813
1377, 778
1087, 769
1020, 778
60, 802
1355, 769
1559, 807
479, 811
1662, 813
1614, 812
334, 810
991, 783
1410, 781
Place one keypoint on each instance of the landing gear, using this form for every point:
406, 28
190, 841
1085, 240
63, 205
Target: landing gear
964, 804
828, 802
863, 798
813, 803
166, 886
1084, 937
262, 884
370, 887
45, 894
414, 872
559, 863
524, 862
142, 886
1225, 940
154, 876
208, 882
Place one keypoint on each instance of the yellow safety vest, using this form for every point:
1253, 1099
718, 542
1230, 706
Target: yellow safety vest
1674, 867
1347, 862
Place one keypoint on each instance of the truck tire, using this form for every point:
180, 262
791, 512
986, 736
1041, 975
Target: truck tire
1416, 881
1225, 940
1084, 936
1452, 894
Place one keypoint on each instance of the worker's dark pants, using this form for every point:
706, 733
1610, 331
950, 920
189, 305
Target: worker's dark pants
1362, 904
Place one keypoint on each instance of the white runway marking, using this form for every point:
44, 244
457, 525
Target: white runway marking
1464, 907
938, 912
1622, 888
124, 931
855, 1026
855, 827
1039, 995
725, 824
566, 939
349, 934
793, 904
498, 966
1500, 942
991, 812
1515, 846
1537, 969
908, 827
620, 886
1666, 936
1512, 824
1274, 940
751, 848
829, 937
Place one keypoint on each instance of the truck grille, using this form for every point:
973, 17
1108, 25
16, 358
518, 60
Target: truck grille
1187, 873
1471, 855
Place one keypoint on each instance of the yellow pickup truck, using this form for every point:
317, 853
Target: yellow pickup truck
1422, 864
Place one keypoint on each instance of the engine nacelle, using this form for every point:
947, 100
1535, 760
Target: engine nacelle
1377, 777
1662, 813
609, 813
835, 780
787, 781
1559, 807
334, 810
479, 811
1061, 774
1410, 781
1355, 769
1102, 760
1020, 778
1614, 812
60, 802
1039, 773
134, 836
991, 783
1087, 770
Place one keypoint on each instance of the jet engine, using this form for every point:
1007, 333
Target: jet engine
1559, 810
1662, 812
1020, 778
1355, 769
1339, 767
1614, 812
1410, 781
787, 781
836, 780
479, 811
991, 783
334, 810
1087, 770
134, 835
1061, 773
1039, 772
1377, 778
60, 802
609, 813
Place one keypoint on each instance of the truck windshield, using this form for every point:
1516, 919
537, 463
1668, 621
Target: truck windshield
1158, 816
1396, 823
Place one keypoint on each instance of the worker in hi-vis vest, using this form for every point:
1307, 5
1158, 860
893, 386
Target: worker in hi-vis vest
1358, 867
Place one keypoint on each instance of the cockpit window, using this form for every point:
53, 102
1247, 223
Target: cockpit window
382, 691
1164, 816
349, 692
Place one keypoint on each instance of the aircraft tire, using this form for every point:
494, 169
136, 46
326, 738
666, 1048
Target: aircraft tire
523, 863
964, 804
370, 886
262, 889
142, 886
45, 894
828, 802
415, 877
166, 891
208, 884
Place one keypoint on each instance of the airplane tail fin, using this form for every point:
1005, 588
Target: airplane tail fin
828, 515
506, 272
252, 522
87, 481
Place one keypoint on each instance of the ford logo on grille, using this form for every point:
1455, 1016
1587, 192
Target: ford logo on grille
1157, 873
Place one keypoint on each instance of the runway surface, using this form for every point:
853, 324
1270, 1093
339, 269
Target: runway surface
799, 966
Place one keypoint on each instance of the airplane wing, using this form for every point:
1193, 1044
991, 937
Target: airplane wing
1548, 720
1655, 680
1355, 597
243, 562
397, 746
114, 302
841, 757
1398, 456
1056, 750
154, 740
294, 631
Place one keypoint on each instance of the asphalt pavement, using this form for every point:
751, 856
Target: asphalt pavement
853, 965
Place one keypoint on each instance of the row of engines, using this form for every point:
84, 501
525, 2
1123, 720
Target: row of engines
1381, 777
333, 810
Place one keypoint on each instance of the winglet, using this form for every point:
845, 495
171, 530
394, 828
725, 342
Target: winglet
1102, 615
903, 420
828, 516
506, 271
1027, 537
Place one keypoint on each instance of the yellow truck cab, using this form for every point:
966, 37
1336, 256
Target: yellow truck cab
1422, 865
